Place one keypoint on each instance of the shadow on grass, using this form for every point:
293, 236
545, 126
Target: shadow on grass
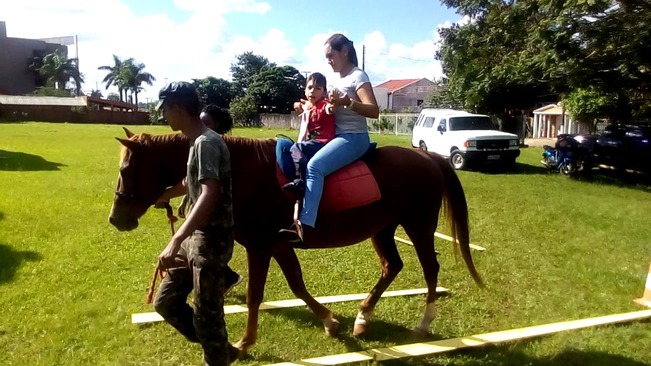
11, 260
518, 168
2, 216
618, 179
506, 355
18, 161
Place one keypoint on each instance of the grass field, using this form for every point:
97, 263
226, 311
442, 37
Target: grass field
557, 249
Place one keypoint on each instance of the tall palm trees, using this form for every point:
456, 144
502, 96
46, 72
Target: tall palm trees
127, 75
58, 69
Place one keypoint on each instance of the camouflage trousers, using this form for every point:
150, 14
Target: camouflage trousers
207, 253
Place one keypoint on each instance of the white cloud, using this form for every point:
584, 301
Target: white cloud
199, 46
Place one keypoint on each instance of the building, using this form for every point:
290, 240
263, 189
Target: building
551, 120
405, 94
16, 78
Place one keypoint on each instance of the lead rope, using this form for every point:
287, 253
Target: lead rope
158, 272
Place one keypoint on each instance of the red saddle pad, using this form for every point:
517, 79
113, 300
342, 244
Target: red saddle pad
349, 187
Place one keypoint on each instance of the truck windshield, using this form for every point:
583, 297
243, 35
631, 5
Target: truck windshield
471, 123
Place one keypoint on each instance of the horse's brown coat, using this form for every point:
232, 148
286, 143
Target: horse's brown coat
413, 184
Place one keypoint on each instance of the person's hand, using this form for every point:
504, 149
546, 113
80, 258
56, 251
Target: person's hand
167, 258
161, 202
330, 108
338, 99
300, 105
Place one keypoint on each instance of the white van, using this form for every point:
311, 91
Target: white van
464, 138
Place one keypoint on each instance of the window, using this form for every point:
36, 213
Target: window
442, 125
429, 122
471, 123
419, 102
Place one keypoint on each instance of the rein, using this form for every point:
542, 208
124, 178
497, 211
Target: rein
158, 272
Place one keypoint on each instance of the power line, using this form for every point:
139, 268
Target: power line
403, 57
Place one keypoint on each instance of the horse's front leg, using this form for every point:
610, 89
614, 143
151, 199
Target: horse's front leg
385, 247
258, 262
288, 262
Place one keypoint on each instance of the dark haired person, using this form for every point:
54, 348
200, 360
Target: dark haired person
220, 121
354, 101
197, 254
317, 128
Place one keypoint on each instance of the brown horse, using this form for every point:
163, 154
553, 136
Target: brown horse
413, 186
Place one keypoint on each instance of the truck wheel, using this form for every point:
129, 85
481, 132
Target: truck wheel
457, 160
422, 146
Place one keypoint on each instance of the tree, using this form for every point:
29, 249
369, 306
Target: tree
586, 106
514, 53
58, 69
442, 98
245, 68
214, 91
273, 91
113, 77
113, 96
244, 111
96, 93
133, 75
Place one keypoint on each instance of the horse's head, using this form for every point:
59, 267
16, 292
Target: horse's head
144, 176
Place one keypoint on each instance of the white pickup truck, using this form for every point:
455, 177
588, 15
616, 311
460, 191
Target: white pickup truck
464, 138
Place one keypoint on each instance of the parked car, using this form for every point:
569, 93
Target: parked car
624, 148
464, 138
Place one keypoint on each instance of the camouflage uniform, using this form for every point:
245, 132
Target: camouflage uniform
207, 252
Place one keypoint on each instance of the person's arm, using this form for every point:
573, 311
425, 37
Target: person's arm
201, 211
302, 131
367, 106
172, 192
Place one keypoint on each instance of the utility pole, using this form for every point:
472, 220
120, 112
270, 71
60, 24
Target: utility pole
363, 56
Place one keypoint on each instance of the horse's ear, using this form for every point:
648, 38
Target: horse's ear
129, 133
129, 144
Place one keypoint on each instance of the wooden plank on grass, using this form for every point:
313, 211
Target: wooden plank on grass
442, 236
447, 345
281, 304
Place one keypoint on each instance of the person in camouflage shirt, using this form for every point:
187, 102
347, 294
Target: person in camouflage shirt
197, 255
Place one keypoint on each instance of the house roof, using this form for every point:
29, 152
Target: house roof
37, 100
394, 85
82, 101
551, 109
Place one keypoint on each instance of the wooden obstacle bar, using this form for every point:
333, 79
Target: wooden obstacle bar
281, 304
448, 345
442, 236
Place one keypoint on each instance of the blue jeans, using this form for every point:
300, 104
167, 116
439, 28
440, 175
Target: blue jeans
284, 157
337, 153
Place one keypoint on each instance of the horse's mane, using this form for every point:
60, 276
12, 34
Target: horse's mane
242, 146
149, 140
239, 146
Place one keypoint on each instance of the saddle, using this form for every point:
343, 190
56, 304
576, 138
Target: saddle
351, 186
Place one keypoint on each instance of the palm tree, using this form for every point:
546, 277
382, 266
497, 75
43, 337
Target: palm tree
114, 76
58, 69
133, 76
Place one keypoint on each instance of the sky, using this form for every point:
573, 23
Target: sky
186, 39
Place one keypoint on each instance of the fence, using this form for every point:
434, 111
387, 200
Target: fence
395, 123
71, 114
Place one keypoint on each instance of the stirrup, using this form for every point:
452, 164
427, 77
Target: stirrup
295, 186
294, 234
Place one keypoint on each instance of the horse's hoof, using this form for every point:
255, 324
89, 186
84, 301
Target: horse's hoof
331, 325
420, 333
359, 329
242, 347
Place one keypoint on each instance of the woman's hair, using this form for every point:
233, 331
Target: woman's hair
220, 117
338, 42
318, 79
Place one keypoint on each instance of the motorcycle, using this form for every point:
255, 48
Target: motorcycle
567, 157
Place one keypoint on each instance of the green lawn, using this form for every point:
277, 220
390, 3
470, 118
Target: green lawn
558, 249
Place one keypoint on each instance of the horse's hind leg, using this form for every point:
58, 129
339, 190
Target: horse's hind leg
385, 247
423, 239
288, 262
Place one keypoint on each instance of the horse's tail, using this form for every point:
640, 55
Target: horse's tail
456, 212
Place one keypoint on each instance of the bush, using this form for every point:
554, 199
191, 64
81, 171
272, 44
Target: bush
47, 91
153, 115
244, 111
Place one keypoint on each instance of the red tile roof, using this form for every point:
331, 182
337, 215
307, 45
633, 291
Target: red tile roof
393, 85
